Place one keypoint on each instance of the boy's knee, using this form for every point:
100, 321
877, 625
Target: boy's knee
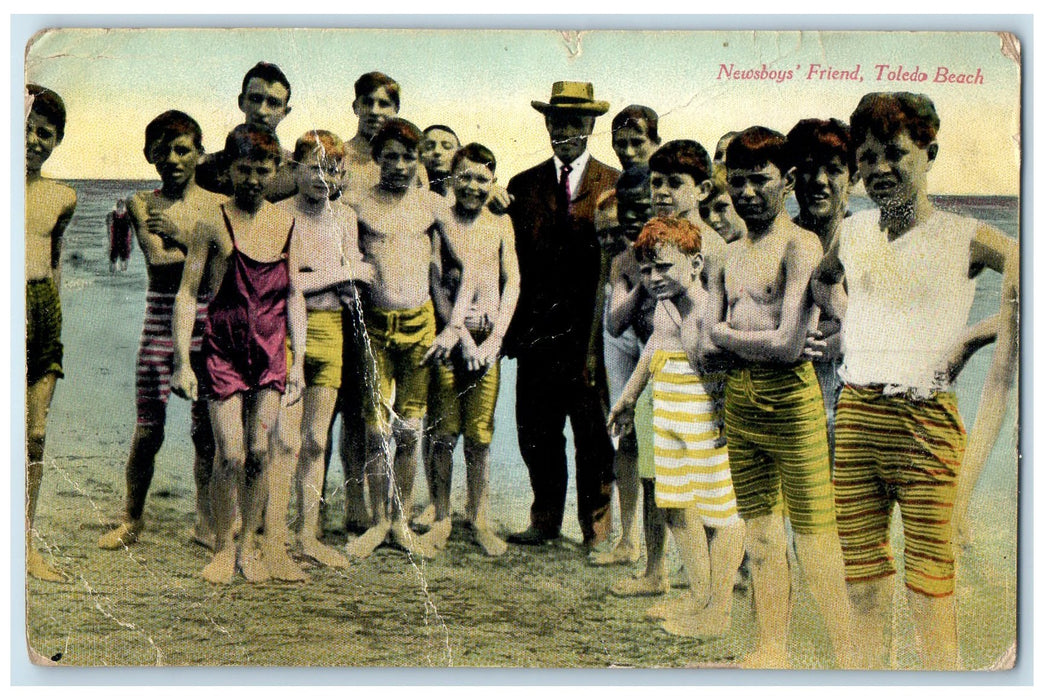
313, 445
443, 442
407, 432
229, 464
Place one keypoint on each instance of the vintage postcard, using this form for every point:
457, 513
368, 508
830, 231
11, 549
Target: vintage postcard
460, 348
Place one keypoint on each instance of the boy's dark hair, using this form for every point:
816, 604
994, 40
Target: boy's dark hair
442, 127
638, 117
820, 140
395, 129
884, 113
755, 147
268, 72
252, 141
368, 82
476, 153
329, 143
634, 179
682, 156
48, 105
169, 126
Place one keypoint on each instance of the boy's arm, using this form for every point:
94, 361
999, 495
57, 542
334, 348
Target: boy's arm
827, 290
715, 311
440, 297
183, 381
450, 335
58, 236
621, 416
784, 343
624, 303
297, 320
154, 246
511, 280
1000, 253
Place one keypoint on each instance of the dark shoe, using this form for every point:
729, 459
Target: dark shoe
530, 537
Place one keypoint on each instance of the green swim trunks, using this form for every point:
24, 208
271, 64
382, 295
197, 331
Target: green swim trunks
43, 330
464, 401
775, 425
398, 341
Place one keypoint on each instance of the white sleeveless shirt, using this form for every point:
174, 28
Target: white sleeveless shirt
908, 299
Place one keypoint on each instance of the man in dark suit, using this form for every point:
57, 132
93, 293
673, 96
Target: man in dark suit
556, 332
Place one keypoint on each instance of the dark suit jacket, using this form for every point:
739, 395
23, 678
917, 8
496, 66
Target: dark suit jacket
559, 259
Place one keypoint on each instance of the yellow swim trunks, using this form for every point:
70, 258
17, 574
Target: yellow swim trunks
323, 354
691, 460
776, 428
893, 449
463, 401
398, 341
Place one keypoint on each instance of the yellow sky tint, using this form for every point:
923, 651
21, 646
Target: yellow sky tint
481, 82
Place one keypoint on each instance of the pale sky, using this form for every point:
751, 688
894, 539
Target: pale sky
481, 83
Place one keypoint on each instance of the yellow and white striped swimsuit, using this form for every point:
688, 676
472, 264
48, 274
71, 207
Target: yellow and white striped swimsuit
692, 461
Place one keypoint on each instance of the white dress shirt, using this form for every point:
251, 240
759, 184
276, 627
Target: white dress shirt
578, 165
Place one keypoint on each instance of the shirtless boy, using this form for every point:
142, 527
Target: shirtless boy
774, 417
48, 208
693, 484
910, 272
264, 101
251, 249
328, 237
376, 101
627, 327
398, 223
679, 180
164, 220
825, 172
716, 209
635, 131
466, 387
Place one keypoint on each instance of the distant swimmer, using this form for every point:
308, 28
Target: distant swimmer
165, 221
48, 208
118, 223
250, 248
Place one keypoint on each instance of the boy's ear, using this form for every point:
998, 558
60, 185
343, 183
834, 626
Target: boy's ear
790, 178
703, 190
355, 106
933, 151
287, 112
697, 264
239, 101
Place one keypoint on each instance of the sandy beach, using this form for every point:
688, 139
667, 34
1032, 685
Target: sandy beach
542, 607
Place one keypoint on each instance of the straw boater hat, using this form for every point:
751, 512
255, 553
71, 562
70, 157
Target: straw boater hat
573, 97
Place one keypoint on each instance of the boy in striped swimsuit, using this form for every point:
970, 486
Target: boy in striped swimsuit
693, 482
163, 221
774, 416
911, 271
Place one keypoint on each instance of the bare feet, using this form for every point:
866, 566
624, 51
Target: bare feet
280, 566
640, 586
426, 518
438, 534
363, 545
703, 623
665, 608
123, 535
620, 554
203, 536
221, 567
406, 538
492, 545
37, 567
253, 566
324, 554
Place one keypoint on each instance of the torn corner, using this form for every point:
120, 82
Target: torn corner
1011, 47
1006, 661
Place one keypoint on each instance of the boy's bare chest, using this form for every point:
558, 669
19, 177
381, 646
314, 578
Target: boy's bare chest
756, 272
398, 225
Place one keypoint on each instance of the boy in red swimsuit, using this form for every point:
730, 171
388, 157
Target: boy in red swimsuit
257, 301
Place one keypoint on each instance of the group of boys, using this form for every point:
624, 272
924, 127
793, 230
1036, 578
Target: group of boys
394, 304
